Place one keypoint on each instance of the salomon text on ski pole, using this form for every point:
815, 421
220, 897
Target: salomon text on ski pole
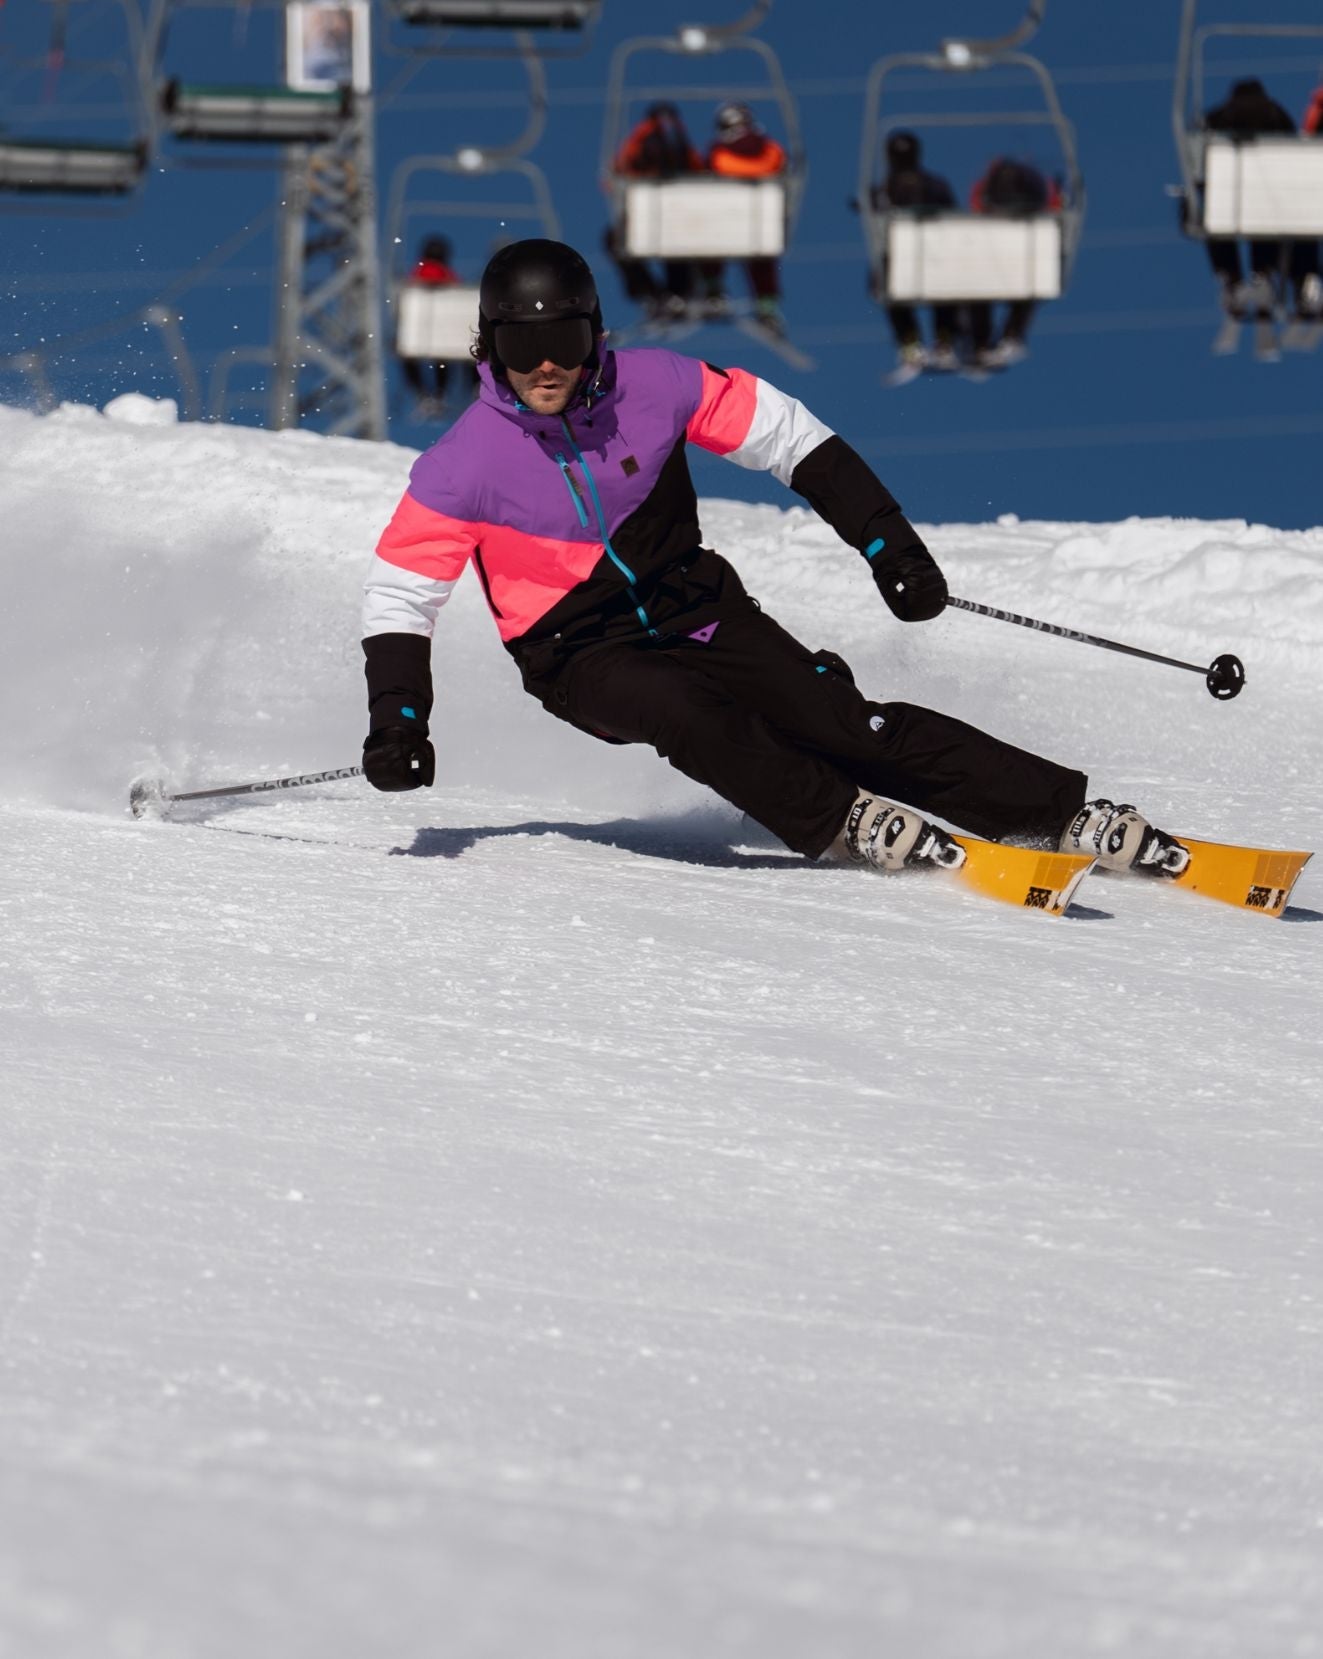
1224, 676
148, 794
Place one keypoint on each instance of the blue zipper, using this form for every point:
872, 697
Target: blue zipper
615, 558
572, 487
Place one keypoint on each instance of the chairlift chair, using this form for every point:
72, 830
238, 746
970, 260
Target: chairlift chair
480, 28
436, 324
701, 216
71, 166
954, 256
98, 167
1268, 186
255, 114
497, 14
264, 112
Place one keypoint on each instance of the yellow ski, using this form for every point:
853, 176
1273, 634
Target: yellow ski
1252, 878
1021, 876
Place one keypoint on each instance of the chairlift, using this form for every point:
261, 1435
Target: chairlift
436, 324
255, 114
293, 111
705, 216
480, 28
71, 166
949, 256
701, 216
97, 167
1268, 186
497, 14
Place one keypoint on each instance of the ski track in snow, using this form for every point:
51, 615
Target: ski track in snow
523, 1217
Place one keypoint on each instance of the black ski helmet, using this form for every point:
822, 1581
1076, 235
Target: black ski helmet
538, 300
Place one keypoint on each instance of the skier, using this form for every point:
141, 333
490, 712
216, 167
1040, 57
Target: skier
909, 184
565, 485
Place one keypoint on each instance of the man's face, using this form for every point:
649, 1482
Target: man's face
547, 389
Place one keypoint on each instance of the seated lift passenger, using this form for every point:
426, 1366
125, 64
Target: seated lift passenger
657, 148
427, 378
741, 149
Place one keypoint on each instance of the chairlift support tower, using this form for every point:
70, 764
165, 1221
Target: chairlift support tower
326, 359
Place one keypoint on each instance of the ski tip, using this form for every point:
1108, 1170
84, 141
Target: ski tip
146, 797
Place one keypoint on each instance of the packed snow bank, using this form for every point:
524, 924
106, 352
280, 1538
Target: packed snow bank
185, 598
510, 1219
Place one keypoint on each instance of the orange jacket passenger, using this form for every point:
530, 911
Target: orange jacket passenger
1313, 121
658, 147
741, 149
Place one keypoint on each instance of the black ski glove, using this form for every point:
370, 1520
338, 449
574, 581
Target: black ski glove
397, 754
394, 759
906, 573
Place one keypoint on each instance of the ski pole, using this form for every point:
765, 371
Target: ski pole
147, 793
1224, 676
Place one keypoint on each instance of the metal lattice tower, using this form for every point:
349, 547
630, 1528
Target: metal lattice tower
328, 366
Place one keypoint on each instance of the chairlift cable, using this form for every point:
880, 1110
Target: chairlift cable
55, 51
744, 25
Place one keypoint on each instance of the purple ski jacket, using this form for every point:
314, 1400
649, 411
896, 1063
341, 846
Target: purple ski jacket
576, 523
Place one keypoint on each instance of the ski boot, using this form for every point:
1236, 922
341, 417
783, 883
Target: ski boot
912, 353
890, 837
1121, 840
1233, 297
1004, 355
767, 314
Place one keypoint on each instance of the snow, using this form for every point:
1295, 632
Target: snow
524, 1218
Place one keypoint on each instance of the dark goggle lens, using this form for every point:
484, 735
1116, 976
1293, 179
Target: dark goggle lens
567, 342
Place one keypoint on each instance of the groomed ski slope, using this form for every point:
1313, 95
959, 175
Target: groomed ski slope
515, 1219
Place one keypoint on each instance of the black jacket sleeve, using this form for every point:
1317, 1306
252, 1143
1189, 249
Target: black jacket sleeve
399, 680
842, 488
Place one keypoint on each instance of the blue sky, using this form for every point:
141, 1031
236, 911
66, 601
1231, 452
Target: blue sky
1121, 408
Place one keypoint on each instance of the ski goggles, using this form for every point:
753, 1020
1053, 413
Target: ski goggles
565, 341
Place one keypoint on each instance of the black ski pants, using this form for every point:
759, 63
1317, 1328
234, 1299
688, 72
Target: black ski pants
781, 732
